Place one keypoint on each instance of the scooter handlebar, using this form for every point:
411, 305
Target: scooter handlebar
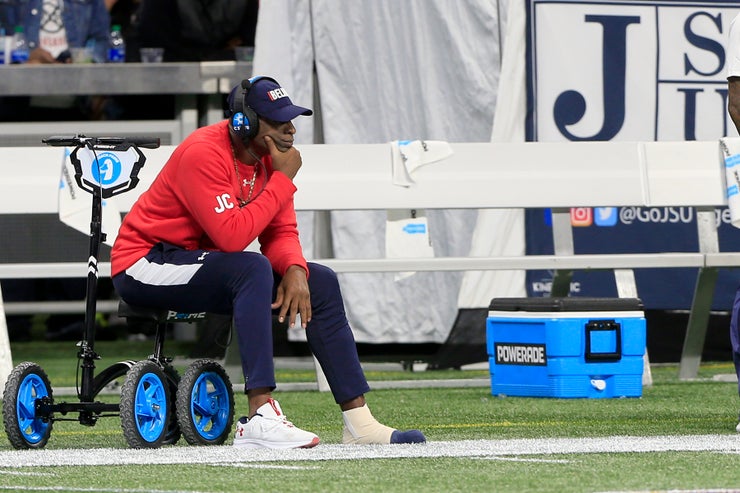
81, 140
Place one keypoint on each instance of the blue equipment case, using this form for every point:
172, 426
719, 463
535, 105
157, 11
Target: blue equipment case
566, 347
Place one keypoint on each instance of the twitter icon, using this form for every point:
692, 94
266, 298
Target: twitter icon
605, 216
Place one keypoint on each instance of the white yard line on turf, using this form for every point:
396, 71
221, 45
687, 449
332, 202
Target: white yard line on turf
268, 466
93, 489
467, 448
529, 459
8, 472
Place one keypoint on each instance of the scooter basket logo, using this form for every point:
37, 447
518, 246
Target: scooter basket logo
107, 169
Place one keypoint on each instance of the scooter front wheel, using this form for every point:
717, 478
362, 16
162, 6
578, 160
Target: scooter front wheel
26, 384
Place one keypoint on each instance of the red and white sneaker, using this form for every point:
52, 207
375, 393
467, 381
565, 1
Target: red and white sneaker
269, 428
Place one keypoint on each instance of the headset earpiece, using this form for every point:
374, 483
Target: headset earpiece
243, 121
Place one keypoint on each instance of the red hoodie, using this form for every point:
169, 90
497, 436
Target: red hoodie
193, 204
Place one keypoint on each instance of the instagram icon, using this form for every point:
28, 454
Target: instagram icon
581, 216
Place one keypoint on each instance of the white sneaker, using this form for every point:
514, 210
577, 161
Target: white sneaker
269, 428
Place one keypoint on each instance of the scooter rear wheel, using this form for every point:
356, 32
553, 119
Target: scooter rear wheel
205, 403
145, 401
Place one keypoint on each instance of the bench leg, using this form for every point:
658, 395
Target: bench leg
321, 380
561, 280
6, 360
696, 331
627, 288
701, 305
562, 237
232, 359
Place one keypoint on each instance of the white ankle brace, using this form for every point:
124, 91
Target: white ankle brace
361, 427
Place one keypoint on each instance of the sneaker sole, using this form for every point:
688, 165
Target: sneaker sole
260, 444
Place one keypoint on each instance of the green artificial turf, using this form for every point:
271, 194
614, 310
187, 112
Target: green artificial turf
668, 407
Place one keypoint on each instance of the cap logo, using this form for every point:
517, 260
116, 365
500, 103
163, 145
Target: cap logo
277, 94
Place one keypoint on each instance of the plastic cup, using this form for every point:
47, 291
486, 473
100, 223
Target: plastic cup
151, 55
81, 55
244, 53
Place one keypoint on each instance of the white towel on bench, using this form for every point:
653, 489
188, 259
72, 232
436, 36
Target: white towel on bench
410, 155
731, 153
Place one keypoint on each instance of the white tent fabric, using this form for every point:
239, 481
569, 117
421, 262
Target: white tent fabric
284, 51
389, 70
502, 232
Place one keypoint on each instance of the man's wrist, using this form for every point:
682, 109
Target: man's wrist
295, 266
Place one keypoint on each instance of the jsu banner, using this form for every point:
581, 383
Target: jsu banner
634, 71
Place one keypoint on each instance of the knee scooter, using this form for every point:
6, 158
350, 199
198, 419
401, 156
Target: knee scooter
156, 406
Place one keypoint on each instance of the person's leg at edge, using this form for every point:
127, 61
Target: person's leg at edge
735, 340
331, 341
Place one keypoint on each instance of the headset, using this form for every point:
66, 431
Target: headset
244, 121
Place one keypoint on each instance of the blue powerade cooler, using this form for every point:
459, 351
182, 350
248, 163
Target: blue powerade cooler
566, 347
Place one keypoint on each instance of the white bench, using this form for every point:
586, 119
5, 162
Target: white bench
476, 176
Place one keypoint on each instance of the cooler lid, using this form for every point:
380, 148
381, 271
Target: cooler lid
566, 304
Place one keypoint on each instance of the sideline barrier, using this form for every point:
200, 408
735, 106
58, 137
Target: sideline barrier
197, 87
476, 176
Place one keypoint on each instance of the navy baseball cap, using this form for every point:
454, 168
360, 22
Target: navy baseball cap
268, 100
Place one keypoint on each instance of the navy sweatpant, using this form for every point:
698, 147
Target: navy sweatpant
244, 284
735, 334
